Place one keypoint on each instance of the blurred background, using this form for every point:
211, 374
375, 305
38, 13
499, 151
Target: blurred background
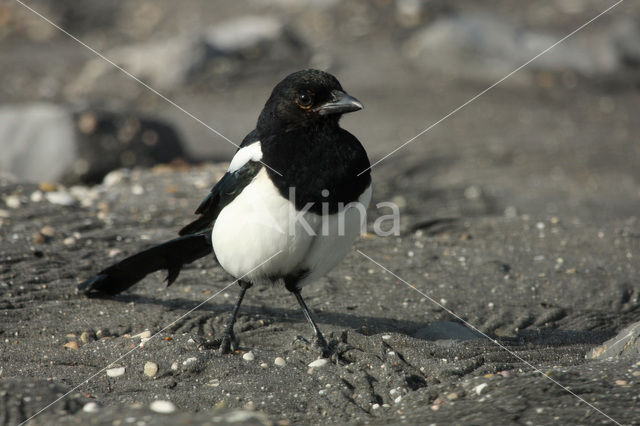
558, 137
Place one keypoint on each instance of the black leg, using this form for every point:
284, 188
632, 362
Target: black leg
320, 340
228, 336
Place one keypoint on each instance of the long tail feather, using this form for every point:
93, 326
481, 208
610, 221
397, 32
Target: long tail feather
170, 255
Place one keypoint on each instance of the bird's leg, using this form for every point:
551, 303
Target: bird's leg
320, 340
228, 336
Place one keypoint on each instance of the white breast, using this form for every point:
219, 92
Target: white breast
259, 223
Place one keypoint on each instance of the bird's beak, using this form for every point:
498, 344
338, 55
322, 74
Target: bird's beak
339, 104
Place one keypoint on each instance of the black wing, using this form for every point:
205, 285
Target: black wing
227, 188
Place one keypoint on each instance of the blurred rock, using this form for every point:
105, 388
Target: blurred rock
47, 142
173, 63
625, 344
485, 47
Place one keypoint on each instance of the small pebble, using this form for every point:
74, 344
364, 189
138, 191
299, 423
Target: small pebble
375, 406
69, 241
144, 335
164, 407
47, 186
71, 345
48, 231
264, 365
319, 363
91, 407
478, 389
621, 382
189, 360
86, 337
115, 372
174, 366
386, 336
249, 356
12, 201
60, 198
36, 196
280, 362
452, 396
150, 368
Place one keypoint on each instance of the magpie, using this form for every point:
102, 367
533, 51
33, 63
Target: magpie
287, 210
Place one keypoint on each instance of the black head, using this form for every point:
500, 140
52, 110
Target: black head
305, 98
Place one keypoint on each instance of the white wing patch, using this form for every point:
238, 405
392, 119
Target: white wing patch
251, 152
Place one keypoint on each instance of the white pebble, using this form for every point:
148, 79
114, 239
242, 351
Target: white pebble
280, 362
375, 406
91, 407
386, 336
264, 365
36, 196
398, 399
137, 189
150, 368
60, 198
163, 407
115, 372
144, 335
69, 241
174, 366
319, 363
249, 356
12, 201
189, 360
478, 389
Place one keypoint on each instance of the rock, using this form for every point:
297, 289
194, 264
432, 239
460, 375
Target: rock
48, 231
71, 345
626, 344
249, 356
447, 330
37, 141
280, 362
319, 363
485, 47
61, 198
164, 407
480, 388
164, 64
47, 142
143, 335
91, 407
87, 336
169, 64
150, 368
115, 372
12, 201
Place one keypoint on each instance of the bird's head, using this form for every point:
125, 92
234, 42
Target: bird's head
305, 98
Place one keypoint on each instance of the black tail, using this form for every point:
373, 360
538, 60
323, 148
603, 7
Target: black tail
170, 255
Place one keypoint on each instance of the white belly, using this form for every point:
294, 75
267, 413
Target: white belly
259, 223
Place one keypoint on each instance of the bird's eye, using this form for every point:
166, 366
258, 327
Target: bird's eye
304, 100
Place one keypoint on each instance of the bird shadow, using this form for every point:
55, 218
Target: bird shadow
370, 325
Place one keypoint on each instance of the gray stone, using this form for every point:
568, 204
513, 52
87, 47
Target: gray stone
171, 63
484, 47
49, 142
38, 141
626, 344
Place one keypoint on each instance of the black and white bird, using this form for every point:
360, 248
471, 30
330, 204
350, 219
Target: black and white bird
288, 208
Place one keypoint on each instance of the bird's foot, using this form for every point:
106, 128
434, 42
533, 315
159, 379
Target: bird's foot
324, 347
228, 343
